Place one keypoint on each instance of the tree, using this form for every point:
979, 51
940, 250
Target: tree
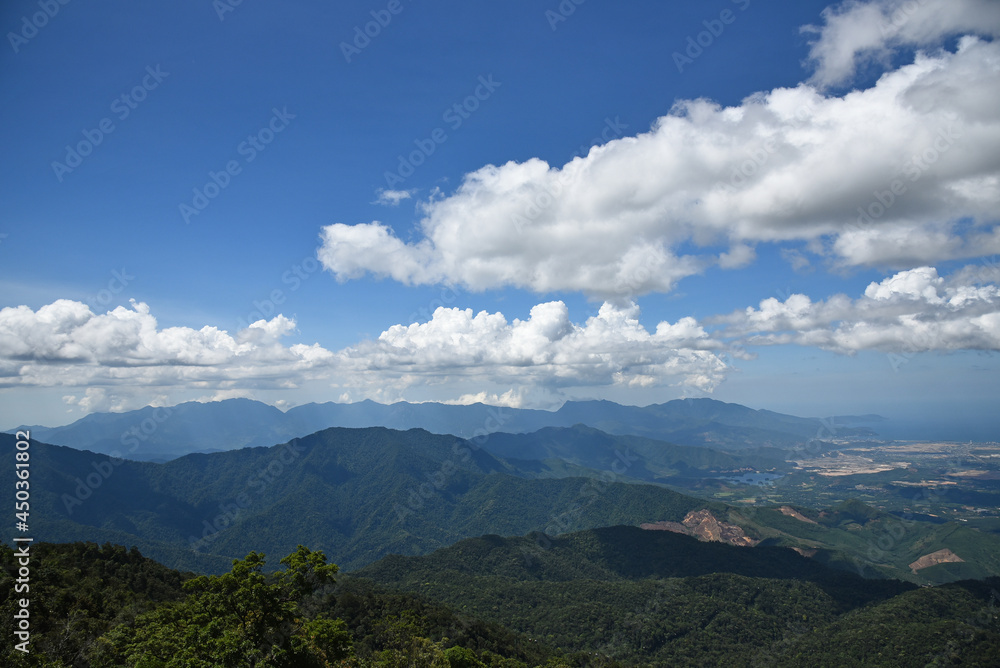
241, 618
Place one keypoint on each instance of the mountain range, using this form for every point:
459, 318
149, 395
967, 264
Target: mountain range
360, 494
658, 598
163, 433
613, 597
557, 547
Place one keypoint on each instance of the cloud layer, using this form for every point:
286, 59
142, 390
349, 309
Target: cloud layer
856, 32
547, 350
903, 174
910, 312
66, 344
486, 355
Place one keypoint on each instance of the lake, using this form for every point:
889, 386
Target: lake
753, 478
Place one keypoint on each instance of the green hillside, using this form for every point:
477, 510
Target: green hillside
653, 598
635, 457
362, 494
357, 494
604, 598
110, 607
878, 544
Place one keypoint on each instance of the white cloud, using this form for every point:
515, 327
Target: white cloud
510, 399
94, 400
357, 249
546, 350
119, 358
114, 354
922, 283
798, 261
66, 344
739, 256
393, 197
222, 395
903, 174
912, 311
855, 32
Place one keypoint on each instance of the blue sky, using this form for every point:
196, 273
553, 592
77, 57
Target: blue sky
123, 283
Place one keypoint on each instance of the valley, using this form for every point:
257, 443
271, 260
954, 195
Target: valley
566, 544
938, 481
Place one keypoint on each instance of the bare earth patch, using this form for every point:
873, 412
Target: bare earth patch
703, 525
841, 464
791, 512
940, 557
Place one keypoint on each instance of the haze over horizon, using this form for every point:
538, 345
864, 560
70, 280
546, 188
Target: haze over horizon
792, 206
963, 427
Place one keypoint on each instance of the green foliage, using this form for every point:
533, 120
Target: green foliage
581, 450
633, 597
380, 619
108, 606
78, 591
606, 598
358, 493
363, 494
241, 618
956, 624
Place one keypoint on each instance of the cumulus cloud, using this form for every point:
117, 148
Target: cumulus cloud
510, 399
855, 32
483, 356
910, 311
66, 344
916, 310
546, 350
95, 399
903, 174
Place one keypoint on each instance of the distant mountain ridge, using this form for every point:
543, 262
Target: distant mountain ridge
360, 494
357, 494
160, 434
